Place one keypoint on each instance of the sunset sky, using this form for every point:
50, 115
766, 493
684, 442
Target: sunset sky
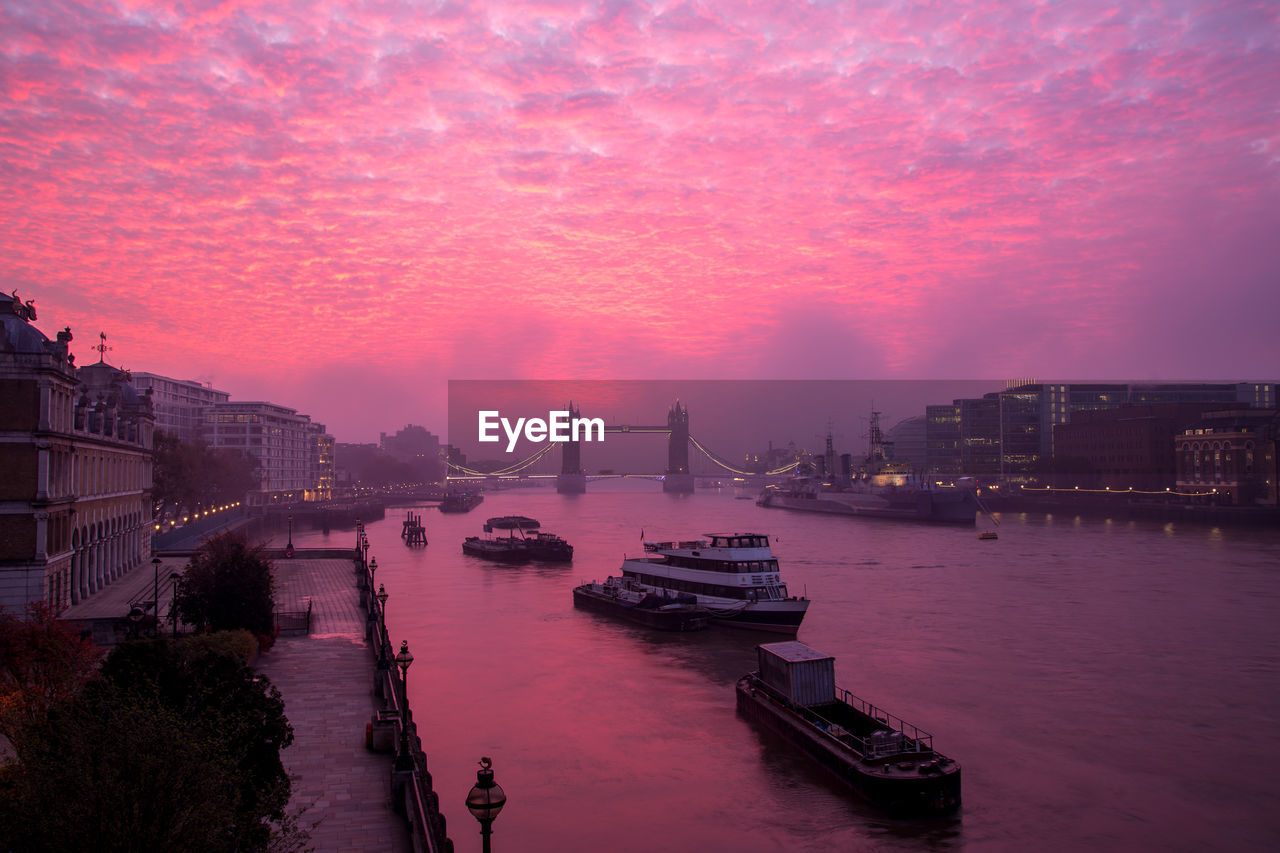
337, 206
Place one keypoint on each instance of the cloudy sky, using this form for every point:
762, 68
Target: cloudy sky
339, 205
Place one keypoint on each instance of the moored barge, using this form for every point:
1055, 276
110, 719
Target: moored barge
622, 598
886, 760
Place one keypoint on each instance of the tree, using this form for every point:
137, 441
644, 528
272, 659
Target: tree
176, 747
42, 663
195, 475
229, 586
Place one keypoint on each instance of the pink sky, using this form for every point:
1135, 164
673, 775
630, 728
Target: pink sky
337, 206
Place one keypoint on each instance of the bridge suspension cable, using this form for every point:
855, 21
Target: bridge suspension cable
510, 469
728, 467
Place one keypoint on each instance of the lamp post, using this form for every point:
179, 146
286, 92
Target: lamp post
359, 533
155, 595
288, 549
485, 799
373, 570
382, 597
135, 616
173, 603
404, 761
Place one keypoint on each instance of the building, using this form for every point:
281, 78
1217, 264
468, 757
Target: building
322, 470
179, 404
942, 440
1130, 447
75, 447
1230, 457
907, 442
285, 444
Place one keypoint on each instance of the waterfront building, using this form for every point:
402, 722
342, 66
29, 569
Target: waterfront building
1122, 448
980, 436
179, 404
907, 441
1230, 456
75, 446
285, 444
321, 477
942, 440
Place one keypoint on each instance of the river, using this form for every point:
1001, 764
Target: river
1104, 684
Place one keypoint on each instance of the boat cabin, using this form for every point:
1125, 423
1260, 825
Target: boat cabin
803, 676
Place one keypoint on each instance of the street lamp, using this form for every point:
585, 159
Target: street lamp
135, 616
404, 658
382, 597
173, 603
373, 570
485, 800
155, 595
288, 549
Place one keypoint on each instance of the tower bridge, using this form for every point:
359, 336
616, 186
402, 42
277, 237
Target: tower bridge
572, 479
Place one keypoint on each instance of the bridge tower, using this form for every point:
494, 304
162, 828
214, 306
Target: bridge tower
572, 479
679, 478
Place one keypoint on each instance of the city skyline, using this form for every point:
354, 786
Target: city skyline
338, 210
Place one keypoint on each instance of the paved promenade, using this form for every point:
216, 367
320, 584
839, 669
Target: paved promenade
326, 680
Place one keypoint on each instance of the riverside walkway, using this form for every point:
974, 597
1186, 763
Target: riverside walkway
325, 679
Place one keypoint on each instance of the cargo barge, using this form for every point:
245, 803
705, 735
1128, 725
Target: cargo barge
886, 760
622, 598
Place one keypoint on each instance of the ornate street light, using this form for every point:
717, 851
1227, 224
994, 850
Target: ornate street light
288, 549
382, 597
404, 761
373, 570
173, 603
485, 800
135, 616
155, 595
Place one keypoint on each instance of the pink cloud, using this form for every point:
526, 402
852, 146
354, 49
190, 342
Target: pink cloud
631, 188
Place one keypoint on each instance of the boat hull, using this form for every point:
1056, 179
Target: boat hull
779, 617
927, 507
487, 549
900, 788
683, 619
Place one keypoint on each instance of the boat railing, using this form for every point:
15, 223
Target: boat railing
913, 739
897, 737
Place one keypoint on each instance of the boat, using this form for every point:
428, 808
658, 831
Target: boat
881, 488
988, 534
460, 501
733, 575
621, 597
886, 760
549, 548
512, 548
502, 549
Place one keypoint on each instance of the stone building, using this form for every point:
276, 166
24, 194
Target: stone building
75, 449
294, 455
1230, 457
179, 404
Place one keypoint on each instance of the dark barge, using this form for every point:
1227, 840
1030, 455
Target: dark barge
886, 760
619, 597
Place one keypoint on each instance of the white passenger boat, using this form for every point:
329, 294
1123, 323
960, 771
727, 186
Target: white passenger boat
733, 575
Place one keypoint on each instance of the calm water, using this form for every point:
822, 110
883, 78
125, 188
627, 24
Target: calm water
1103, 684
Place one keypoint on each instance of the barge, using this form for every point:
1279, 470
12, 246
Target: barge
884, 759
626, 600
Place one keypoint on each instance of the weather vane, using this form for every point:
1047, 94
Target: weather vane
102, 348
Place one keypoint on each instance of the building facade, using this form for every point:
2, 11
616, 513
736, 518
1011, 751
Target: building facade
75, 446
179, 404
286, 445
1230, 457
